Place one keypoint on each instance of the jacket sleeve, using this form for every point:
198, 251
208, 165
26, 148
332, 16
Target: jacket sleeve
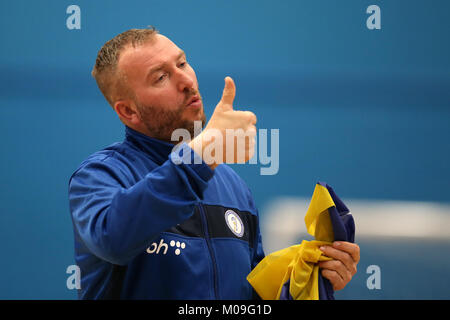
117, 223
257, 257
258, 252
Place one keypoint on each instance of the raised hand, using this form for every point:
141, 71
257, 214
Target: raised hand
231, 132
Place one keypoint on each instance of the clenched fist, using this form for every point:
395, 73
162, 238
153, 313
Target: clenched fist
229, 135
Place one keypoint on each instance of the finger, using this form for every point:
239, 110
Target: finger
250, 116
246, 118
342, 256
351, 248
229, 92
251, 131
335, 279
339, 267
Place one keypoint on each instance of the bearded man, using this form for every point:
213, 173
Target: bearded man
148, 226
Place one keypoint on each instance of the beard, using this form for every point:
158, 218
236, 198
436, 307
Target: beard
161, 123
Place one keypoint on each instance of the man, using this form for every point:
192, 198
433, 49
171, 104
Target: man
148, 226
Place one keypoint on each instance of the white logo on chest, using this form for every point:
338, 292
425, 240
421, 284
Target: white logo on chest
162, 246
234, 223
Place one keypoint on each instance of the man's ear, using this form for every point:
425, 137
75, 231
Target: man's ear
127, 112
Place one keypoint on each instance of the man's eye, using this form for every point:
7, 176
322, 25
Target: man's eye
161, 78
183, 64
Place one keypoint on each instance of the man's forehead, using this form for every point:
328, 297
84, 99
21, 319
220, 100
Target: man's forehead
149, 53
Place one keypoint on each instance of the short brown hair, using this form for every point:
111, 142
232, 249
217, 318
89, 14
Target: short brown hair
109, 81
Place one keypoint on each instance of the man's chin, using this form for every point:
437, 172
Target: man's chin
195, 115
195, 126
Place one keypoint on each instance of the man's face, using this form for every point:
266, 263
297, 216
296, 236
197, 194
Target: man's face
165, 87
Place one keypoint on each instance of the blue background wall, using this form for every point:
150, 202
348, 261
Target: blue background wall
365, 110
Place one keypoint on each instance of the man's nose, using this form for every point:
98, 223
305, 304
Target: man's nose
185, 81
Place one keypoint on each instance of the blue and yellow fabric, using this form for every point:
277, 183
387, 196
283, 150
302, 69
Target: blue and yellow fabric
293, 273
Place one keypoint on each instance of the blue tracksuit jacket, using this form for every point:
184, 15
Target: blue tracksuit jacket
147, 228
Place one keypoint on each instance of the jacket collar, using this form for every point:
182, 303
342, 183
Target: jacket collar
158, 150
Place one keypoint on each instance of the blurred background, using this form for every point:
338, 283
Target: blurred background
367, 111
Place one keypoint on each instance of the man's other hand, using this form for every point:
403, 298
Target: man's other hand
342, 268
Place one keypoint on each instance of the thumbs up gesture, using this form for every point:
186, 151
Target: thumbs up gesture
229, 136
229, 92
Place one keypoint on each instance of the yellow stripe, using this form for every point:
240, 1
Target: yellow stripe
317, 219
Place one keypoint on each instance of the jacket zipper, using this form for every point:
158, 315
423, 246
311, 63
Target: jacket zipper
211, 253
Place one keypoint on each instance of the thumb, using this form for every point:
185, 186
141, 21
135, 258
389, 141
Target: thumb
229, 92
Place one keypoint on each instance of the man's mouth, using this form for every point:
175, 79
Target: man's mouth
194, 102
